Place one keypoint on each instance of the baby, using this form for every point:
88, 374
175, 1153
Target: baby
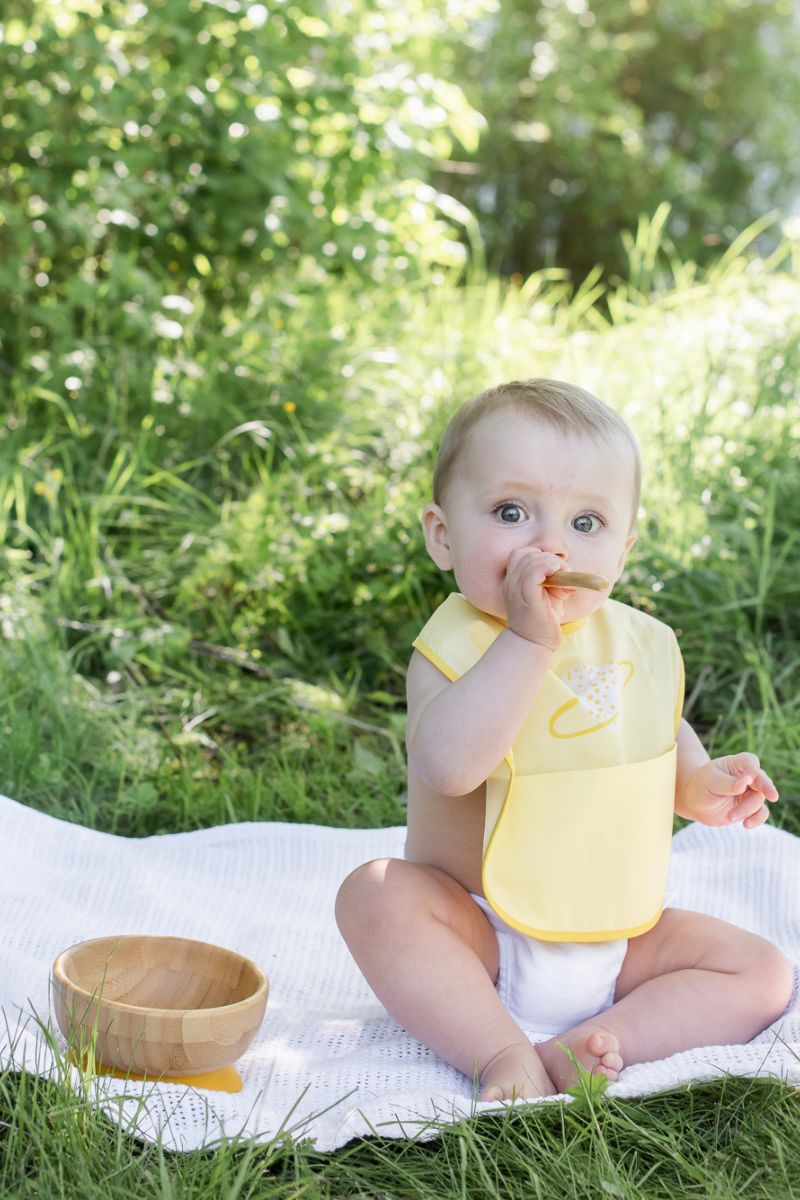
546, 758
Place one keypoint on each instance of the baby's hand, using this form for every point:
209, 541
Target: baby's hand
533, 611
730, 789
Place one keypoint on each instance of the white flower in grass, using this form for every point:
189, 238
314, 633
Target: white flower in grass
166, 328
178, 304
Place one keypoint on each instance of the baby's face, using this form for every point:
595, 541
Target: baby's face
520, 482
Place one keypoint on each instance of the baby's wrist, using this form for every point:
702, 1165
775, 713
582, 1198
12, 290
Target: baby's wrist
546, 646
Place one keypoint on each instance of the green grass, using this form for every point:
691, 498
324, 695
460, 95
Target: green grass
206, 605
715, 1142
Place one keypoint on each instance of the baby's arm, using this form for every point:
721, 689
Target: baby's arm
723, 790
458, 732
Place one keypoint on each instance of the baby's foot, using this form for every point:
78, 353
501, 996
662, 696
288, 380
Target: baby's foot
595, 1049
515, 1073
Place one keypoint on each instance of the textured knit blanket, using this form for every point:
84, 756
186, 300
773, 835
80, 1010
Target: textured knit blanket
328, 1062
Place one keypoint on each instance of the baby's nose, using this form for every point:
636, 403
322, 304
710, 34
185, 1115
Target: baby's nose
549, 536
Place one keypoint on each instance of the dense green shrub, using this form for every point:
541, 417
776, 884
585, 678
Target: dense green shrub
205, 149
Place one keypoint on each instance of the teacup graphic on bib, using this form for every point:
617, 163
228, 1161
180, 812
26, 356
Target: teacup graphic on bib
597, 699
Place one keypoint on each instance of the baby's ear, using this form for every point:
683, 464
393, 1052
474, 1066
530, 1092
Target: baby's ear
434, 526
629, 544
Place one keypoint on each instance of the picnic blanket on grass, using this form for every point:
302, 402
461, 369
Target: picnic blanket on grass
328, 1062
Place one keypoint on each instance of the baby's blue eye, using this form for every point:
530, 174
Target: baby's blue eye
586, 523
510, 513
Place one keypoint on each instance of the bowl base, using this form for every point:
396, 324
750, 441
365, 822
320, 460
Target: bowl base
224, 1079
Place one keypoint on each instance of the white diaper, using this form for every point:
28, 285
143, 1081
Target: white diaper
549, 987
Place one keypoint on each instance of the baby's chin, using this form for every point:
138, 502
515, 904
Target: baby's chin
486, 604
581, 603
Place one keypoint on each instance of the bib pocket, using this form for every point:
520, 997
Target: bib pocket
582, 856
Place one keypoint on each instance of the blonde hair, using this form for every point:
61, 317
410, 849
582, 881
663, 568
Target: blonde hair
565, 406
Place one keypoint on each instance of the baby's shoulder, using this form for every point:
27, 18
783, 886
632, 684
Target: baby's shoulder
456, 636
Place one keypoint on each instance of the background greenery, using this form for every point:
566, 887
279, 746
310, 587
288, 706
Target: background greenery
236, 309
596, 113
225, 583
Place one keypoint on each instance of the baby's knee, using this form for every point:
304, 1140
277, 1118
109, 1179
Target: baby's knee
773, 978
369, 894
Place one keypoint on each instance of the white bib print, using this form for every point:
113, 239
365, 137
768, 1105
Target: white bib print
598, 696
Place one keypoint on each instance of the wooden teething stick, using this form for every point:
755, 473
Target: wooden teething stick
577, 579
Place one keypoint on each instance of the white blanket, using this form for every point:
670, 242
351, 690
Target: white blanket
328, 1062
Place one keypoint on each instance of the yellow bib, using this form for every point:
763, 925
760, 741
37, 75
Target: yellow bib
579, 812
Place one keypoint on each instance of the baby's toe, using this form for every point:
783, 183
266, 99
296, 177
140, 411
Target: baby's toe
600, 1043
610, 1069
606, 1048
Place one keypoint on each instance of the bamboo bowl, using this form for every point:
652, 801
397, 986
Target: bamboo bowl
158, 1005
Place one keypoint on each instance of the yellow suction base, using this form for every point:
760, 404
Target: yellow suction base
224, 1079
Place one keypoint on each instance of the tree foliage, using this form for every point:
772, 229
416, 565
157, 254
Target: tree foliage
598, 112
236, 153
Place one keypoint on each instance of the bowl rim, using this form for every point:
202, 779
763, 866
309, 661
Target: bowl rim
59, 976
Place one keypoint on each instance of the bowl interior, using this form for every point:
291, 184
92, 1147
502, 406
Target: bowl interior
160, 972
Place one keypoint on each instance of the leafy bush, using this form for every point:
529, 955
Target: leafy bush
204, 149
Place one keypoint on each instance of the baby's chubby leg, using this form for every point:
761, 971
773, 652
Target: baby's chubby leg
690, 981
430, 956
